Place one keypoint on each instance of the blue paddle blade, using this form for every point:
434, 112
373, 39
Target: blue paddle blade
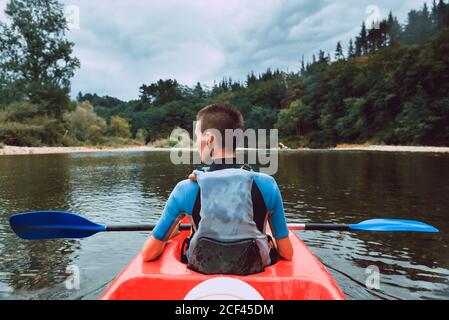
44, 225
393, 225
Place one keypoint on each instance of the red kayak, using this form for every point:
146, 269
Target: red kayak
304, 278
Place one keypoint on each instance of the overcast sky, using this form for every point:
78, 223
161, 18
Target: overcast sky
123, 44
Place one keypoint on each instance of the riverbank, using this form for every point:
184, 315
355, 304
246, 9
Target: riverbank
391, 148
10, 150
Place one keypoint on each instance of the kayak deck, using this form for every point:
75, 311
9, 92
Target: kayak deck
303, 278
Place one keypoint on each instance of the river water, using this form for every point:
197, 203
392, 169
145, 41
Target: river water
317, 186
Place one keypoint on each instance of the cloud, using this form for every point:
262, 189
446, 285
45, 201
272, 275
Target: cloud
2, 8
123, 44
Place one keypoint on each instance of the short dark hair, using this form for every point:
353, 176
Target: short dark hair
221, 117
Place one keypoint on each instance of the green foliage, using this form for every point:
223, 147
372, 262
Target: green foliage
20, 111
396, 95
350, 127
262, 118
35, 57
21, 125
289, 121
85, 125
119, 128
141, 136
164, 91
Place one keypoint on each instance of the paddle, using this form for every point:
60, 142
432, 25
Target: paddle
375, 225
42, 225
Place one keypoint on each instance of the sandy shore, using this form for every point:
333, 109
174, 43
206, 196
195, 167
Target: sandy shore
394, 149
9, 150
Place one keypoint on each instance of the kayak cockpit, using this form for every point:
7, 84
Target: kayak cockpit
303, 278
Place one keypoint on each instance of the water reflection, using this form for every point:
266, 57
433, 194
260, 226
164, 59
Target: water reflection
350, 187
317, 187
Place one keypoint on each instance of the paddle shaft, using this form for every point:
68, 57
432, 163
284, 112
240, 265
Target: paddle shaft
327, 227
129, 228
185, 227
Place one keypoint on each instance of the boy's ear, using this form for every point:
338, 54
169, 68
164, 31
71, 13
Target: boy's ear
210, 138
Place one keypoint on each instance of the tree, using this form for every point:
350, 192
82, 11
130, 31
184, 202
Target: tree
419, 27
141, 136
261, 118
322, 58
251, 79
198, 91
339, 52
35, 58
119, 127
443, 15
164, 91
303, 66
393, 30
351, 49
290, 119
85, 125
435, 15
413, 122
426, 23
361, 43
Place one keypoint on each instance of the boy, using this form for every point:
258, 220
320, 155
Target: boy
229, 206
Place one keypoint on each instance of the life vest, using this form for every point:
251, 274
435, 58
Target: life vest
228, 238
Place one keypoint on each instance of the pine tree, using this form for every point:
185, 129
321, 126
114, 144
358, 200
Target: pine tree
443, 11
303, 66
364, 39
426, 24
351, 49
435, 15
361, 42
322, 57
251, 79
198, 91
419, 27
393, 30
339, 52
358, 47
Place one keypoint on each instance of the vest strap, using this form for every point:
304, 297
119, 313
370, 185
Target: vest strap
184, 248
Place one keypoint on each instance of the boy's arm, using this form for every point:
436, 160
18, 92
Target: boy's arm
167, 226
279, 225
153, 247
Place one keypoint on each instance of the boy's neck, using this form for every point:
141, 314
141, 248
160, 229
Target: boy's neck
223, 156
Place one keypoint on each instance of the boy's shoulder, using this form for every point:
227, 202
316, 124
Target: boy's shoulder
264, 178
187, 186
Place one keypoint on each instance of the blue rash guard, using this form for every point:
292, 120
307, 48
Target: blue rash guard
183, 198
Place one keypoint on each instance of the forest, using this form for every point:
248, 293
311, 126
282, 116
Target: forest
388, 85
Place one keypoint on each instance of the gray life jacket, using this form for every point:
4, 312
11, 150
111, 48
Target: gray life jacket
227, 239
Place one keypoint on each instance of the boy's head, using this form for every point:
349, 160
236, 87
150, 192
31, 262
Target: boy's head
214, 122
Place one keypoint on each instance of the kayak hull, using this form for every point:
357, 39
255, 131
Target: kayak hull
303, 278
